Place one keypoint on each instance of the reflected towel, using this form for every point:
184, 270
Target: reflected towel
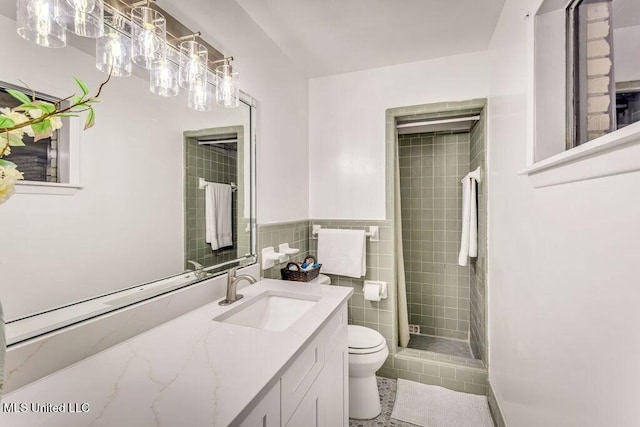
342, 252
469, 239
217, 208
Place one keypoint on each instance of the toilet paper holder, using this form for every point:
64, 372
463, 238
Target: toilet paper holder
383, 289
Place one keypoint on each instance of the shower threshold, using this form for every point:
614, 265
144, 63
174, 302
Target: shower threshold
448, 346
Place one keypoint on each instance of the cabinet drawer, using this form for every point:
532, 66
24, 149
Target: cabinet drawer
301, 375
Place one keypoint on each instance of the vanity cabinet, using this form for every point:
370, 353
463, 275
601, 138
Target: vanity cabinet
267, 412
313, 391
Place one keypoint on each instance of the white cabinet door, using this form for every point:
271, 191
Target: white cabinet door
267, 412
311, 411
326, 403
335, 388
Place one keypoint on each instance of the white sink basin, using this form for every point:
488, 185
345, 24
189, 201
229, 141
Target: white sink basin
271, 311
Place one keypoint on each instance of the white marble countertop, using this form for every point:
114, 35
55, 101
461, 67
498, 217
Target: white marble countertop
191, 371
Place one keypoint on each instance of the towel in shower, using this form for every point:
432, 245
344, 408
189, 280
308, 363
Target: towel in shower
342, 252
217, 206
469, 240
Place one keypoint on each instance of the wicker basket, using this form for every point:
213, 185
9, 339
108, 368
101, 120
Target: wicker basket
298, 275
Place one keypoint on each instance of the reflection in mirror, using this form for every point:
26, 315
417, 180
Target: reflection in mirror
101, 239
216, 213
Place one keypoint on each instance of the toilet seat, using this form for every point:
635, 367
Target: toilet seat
364, 340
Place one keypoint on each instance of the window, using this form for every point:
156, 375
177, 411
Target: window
586, 91
37, 161
603, 69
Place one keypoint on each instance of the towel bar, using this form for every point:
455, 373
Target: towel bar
373, 234
202, 184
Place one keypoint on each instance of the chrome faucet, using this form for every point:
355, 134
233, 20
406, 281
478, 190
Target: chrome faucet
232, 284
198, 270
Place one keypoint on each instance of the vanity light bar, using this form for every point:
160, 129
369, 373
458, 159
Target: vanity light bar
176, 31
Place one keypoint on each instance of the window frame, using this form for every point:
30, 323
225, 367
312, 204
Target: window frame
549, 161
68, 154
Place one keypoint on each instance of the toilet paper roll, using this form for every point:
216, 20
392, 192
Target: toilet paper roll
372, 292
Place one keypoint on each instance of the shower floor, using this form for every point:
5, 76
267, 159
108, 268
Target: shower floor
440, 345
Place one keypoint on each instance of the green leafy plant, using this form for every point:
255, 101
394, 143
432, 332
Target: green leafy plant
38, 119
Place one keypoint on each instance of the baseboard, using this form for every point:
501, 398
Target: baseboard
494, 407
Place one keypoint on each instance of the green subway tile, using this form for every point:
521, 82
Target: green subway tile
411, 376
415, 366
453, 385
446, 372
401, 364
475, 389
431, 380
464, 375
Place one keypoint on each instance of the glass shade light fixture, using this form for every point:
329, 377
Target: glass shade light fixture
164, 78
194, 58
133, 32
201, 97
113, 50
227, 91
36, 22
82, 17
148, 36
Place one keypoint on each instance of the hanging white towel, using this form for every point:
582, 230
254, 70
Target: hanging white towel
342, 252
469, 239
217, 208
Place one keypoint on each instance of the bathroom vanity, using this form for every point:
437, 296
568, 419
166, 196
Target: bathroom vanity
277, 357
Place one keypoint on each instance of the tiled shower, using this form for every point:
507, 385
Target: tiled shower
463, 320
214, 164
445, 300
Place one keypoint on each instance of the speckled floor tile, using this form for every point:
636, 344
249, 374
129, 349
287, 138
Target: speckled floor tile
441, 345
387, 388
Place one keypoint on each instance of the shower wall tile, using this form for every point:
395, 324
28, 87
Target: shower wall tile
380, 261
438, 293
428, 368
478, 271
294, 233
214, 164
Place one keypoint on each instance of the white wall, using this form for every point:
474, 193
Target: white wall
347, 127
282, 94
626, 53
563, 277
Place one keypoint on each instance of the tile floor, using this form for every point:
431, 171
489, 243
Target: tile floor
440, 345
387, 389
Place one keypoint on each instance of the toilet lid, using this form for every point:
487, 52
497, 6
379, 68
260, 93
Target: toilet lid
364, 338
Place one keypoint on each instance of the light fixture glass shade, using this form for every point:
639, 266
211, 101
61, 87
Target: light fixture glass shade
194, 57
113, 53
148, 36
82, 17
36, 22
200, 97
227, 90
164, 79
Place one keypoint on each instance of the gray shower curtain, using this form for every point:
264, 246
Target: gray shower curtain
403, 315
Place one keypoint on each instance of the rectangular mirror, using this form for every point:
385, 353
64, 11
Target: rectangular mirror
132, 211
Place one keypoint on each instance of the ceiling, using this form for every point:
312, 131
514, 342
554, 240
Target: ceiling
337, 36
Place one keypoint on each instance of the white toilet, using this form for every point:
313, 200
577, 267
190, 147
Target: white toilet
367, 352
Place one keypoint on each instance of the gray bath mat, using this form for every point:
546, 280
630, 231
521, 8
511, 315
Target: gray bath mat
435, 406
